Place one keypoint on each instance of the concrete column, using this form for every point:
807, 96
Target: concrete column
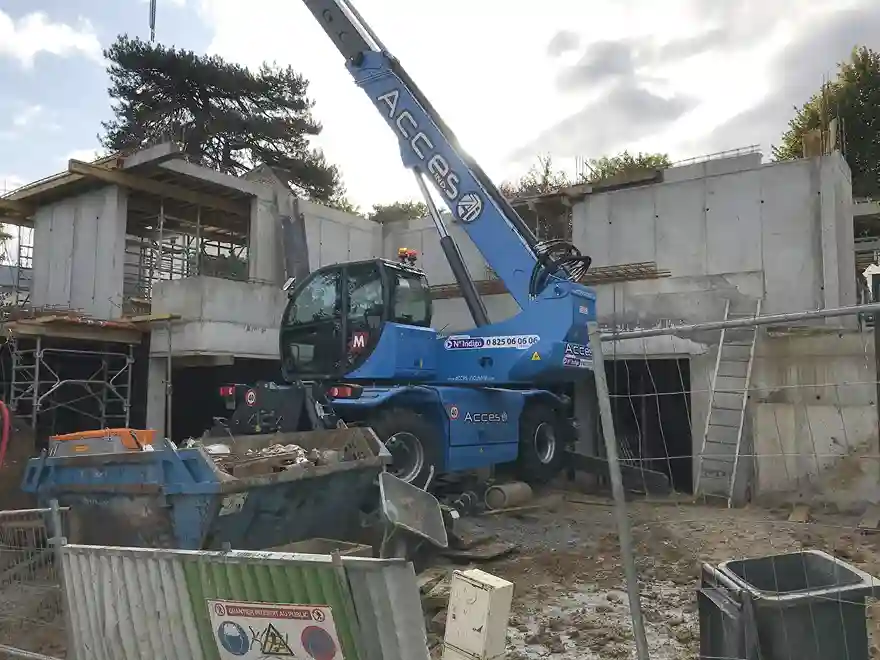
586, 411
264, 242
156, 394
828, 228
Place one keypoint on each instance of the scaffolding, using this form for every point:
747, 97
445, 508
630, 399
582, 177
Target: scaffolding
16, 268
93, 385
171, 247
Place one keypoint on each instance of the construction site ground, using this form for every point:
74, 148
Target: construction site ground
570, 595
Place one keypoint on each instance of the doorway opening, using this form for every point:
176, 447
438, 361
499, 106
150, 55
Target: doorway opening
651, 404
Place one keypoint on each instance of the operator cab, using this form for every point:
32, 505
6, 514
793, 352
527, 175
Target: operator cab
334, 317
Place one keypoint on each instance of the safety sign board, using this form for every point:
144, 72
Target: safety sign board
468, 343
248, 631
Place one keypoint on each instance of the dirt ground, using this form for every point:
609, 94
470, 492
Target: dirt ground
570, 599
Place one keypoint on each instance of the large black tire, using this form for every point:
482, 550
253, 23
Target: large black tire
415, 444
541, 443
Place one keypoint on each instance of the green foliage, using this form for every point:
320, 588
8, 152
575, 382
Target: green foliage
398, 211
854, 99
227, 117
341, 202
610, 166
541, 178
226, 266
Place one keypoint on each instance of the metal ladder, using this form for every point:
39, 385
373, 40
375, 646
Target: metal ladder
728, 398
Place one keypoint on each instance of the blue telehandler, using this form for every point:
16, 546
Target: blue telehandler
356, 342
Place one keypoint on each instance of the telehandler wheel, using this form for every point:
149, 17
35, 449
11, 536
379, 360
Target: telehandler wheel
541, 444
415, 445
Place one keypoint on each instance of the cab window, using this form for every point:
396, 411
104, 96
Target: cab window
319, 300
365, 293
411, 299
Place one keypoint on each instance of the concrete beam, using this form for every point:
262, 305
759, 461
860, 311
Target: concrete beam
219, 178
865, 208
867, 246
193, 361
158, 188
154, 154
15, 208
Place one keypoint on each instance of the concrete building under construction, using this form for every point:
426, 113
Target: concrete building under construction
139, 284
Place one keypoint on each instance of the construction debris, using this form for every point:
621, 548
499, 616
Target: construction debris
800, 513
268, 460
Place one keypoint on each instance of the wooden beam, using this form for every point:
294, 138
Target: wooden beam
14, 207
158, 188
83, 332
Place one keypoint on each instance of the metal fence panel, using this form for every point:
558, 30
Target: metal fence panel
791, 576
31, 604
129, 604
390, 609
138, 603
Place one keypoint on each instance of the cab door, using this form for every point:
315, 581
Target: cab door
366, 307
312, 329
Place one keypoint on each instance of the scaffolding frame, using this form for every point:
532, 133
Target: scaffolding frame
39, 382
169, 247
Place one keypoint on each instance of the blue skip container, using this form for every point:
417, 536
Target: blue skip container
179, 498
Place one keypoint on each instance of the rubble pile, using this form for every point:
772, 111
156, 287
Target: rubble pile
271, 459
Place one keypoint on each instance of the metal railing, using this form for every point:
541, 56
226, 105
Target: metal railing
32, 618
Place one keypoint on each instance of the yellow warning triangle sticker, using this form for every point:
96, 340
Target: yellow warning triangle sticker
535, 356
274, 644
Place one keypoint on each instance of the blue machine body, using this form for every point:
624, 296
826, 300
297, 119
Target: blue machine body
473, 385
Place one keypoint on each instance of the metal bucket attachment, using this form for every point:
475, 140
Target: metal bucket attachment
412, 509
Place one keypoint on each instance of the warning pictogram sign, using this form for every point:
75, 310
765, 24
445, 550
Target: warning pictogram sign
260, 631
535, 356
272, 643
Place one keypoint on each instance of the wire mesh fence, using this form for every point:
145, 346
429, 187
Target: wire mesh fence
32, 622
750, 459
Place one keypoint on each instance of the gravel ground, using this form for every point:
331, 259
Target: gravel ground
570, 599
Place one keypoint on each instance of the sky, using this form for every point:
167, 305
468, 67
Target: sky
514, 78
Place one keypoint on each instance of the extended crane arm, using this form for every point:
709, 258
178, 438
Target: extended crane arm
430, 148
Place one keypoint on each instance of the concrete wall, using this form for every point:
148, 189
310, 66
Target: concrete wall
782, 231
814, 402
726, 229
80, 251
422, 235
219, 317
335, 236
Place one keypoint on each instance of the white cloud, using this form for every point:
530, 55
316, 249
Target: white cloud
35, 33
26, 116
491, 75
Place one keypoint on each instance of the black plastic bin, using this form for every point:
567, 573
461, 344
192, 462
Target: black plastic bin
798, 606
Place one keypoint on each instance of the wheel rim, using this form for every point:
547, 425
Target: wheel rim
545, 442
407, 455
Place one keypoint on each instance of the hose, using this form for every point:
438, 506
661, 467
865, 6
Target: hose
559, 258
4, 437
